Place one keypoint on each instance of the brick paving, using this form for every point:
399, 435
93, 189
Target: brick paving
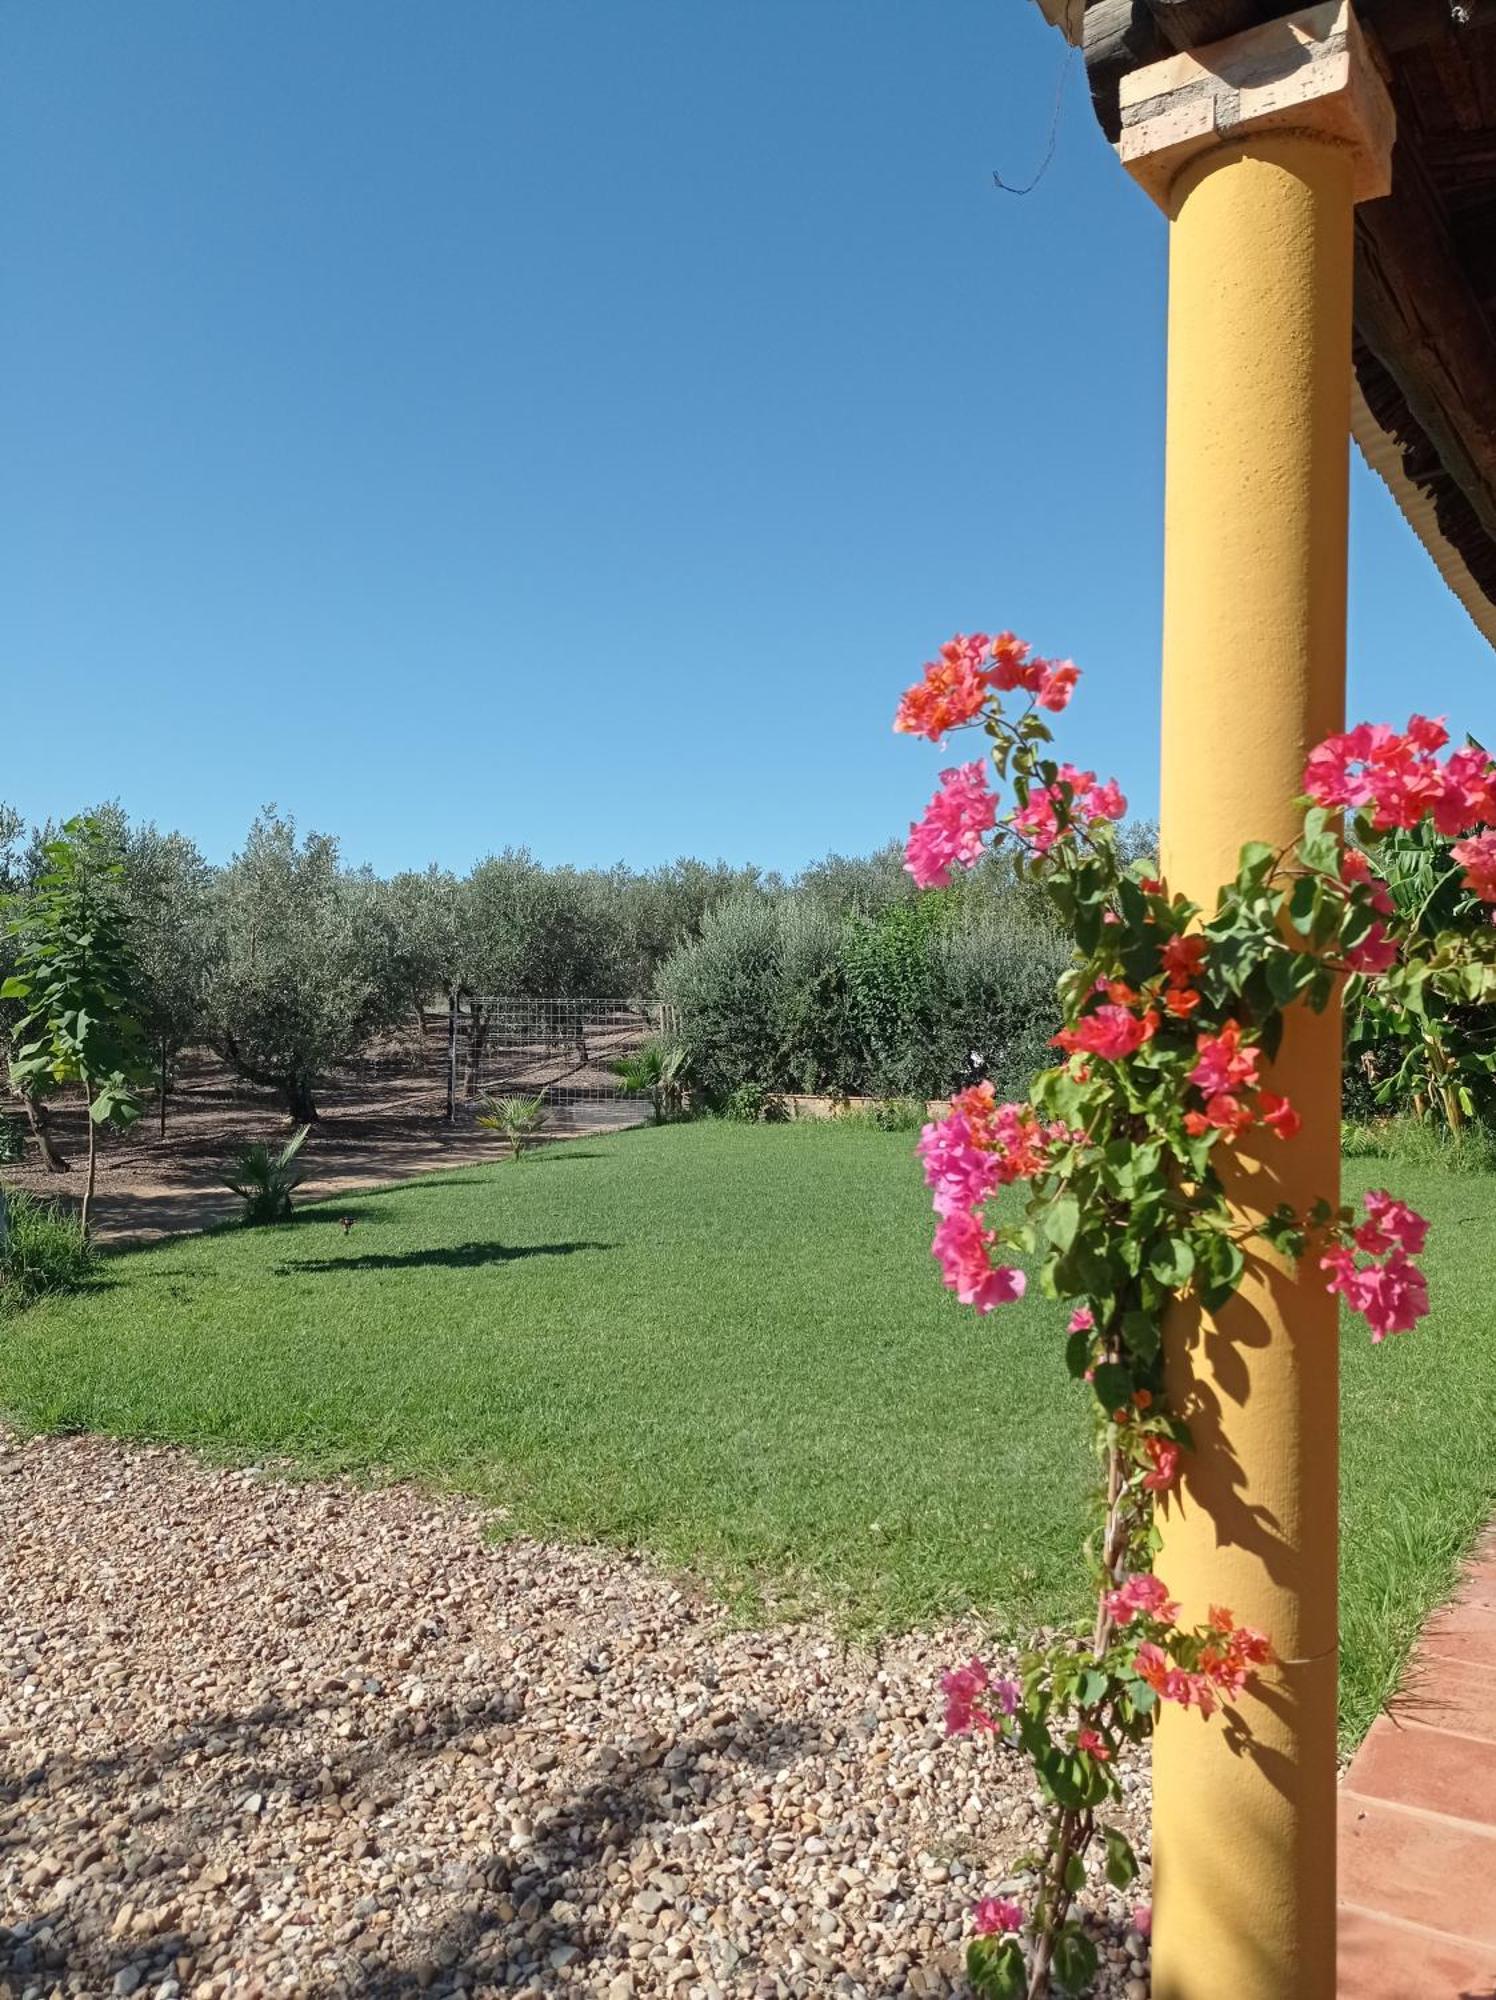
1418, 1817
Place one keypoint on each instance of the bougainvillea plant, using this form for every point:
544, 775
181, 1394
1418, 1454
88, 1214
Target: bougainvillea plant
1170, 1016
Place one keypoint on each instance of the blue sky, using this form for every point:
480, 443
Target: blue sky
571, 422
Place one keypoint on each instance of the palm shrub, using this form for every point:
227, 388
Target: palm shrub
264, 1180
519, 1119
658, 1071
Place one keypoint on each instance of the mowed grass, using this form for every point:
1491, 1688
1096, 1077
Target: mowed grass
727, 1345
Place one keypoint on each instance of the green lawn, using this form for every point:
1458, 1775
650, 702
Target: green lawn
728, 1345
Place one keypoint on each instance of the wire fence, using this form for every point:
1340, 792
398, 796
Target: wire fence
563, 1051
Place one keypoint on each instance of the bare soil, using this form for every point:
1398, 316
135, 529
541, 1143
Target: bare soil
381, 1119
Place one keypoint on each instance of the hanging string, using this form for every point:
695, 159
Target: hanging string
1007, 187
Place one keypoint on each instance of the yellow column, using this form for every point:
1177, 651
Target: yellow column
1253, 676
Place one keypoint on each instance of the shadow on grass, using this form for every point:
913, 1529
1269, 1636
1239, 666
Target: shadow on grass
452, 1257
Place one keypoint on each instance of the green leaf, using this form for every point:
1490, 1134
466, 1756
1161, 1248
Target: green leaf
1303, 901
1113, 1384
1140, 1331
1172, 1262
1075, 1874
1221, 1266
1255, 865
1320, 849
1121, 1862
1061, 1220
1074, 1959
995, 1968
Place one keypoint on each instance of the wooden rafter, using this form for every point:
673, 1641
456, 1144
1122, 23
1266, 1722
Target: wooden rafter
1425, 256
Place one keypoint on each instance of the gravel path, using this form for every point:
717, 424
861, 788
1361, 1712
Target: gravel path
260, 1738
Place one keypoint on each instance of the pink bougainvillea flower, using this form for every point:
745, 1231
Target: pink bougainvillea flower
972, 1696
1164, 1456
982, 1145
963, 1688
1398, 779
1356, 872
1394, 1296
1389, 1221
1469, 791
1279, 1115
1112, 1032
1094, 1744
1141, 1596
995, 1916
1013, 665
1152, 1665
1090, 800
962, 1248
950, 834
1104, 801
1253, 1646
1142, 1919
1227, 1113
1344, 1275
1057, 685
1037, 820
1184, 959
961, 1173
1427, 733
954, 689
1082, 1320
1377, 951
1074, 798
1225, 1063
1477, 856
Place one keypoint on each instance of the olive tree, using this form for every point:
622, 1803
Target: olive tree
423, 923
300, 969
168, 894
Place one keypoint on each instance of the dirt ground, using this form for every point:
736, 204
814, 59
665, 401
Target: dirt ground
382, 1119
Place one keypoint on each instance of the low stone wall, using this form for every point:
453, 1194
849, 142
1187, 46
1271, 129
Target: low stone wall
836, 1107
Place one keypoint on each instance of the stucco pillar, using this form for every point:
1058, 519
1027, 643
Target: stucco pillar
1257, 149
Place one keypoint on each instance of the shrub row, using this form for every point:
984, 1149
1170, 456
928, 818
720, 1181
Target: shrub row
786, 995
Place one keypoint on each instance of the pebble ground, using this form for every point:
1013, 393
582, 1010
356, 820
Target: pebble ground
264, 1738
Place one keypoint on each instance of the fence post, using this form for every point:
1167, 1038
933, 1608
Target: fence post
451, 1054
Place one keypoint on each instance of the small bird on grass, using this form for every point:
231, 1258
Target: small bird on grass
345, 1223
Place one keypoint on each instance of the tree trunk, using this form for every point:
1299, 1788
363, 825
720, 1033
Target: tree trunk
36, 1118
299, 1100
479, 1023
452, 1055
93, 1161
165, 1060
297, 1090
